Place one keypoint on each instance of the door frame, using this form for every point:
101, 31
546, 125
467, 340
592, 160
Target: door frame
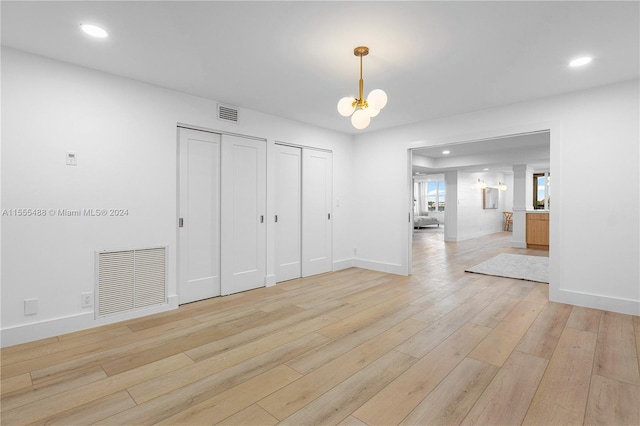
554, 128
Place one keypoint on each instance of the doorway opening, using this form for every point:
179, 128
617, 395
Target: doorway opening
467, 169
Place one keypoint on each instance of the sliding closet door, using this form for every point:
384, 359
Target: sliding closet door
243, 189
288, 213
316, 212
199, 210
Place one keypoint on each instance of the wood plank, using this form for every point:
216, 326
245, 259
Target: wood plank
352, 421
612, 403
499, 344
373, 299
436, 310
232, 401
316, 358
163, 349
496, 311
543, 335
295, 320
253, 415
423, 342
180, 399
616, 351
348, 325
64, 344
64, 401
93, 411
335, 405
451, 400
15, 383
506, 399
562, 395
584, 319
40, 391
48, 368
538, 294
291, 398
395, 401
150, 389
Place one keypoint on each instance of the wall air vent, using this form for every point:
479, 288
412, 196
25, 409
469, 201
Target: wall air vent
128, 280
227, 113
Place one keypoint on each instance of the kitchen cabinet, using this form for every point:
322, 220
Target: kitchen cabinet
538, 230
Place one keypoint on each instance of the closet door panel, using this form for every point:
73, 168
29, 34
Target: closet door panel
199, 209
317, 197
288, 212
243, 189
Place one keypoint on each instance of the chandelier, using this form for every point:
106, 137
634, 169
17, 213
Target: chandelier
360, 109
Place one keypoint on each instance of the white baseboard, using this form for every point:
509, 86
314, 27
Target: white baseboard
342, 264
596, 301
477, 234
518, 244
390, 268
270, 280
55, 327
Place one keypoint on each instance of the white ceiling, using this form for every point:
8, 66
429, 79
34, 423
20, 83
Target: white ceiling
295, 59
495, 155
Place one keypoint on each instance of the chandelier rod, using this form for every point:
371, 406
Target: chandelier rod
361, 51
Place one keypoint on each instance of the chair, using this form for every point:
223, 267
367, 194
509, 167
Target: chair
508, 221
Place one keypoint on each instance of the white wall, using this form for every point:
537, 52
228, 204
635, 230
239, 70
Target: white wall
508, 194
474, 220
593, 131
124, 133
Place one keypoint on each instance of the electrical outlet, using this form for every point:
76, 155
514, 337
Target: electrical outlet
30, 306
87, 299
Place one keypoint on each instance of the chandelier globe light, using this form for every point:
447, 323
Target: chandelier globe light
362, 109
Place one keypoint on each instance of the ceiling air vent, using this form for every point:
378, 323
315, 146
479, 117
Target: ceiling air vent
227, 113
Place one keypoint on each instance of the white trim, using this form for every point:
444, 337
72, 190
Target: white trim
294, 145
55, 327
597, 301
390, 268
459, 238
270, 280
339, 265
219, 132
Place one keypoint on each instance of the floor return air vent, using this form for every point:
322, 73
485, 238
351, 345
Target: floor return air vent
127, 280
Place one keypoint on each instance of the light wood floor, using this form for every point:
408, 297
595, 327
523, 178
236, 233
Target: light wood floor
353, 347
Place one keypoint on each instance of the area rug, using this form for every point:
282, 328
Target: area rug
519, 266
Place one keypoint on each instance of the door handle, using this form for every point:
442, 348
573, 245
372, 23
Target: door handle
261, 218
180, 222
328, 216
276, 218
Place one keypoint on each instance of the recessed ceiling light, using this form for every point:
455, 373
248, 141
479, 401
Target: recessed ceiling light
94, 31
578, 62
485, 169
445, 152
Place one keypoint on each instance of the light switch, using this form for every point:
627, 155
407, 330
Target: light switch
72, 158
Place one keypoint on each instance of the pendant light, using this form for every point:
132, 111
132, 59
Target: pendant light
360, 109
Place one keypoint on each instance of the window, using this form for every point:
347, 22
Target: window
541, 190
435, 196
428, 196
